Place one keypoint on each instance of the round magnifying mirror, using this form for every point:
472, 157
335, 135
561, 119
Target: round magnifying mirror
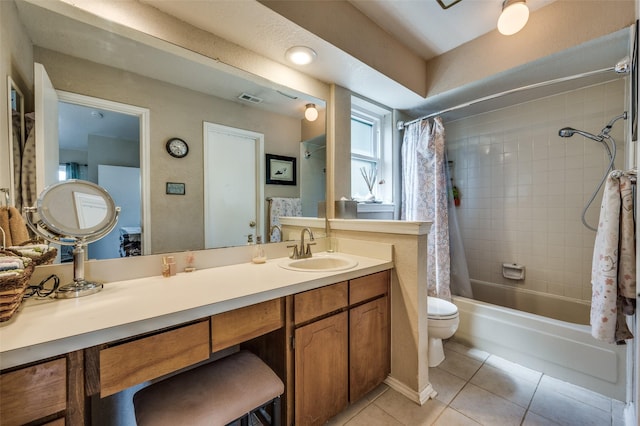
74, 212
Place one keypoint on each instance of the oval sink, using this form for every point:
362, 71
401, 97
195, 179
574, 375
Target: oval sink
319, 263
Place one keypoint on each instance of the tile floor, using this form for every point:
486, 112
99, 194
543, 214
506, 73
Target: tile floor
477, 388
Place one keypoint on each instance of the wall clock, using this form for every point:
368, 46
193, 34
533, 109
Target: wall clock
177, 148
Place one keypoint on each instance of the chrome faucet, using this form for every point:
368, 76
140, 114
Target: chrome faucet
274, 227
305, 250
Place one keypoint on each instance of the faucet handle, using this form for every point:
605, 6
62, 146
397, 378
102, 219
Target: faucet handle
308, 251
295, 254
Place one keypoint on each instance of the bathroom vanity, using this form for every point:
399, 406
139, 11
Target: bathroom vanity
58, 354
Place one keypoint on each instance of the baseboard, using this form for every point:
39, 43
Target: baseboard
418, 397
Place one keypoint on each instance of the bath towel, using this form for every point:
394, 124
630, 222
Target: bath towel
13, 225
282, 207
607, 318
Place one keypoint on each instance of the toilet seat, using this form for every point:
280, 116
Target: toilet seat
439, 309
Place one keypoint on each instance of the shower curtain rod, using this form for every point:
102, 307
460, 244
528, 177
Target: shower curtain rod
620, 68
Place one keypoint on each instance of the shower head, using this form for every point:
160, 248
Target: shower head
567, 132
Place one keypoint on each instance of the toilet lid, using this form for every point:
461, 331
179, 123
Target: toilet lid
440, 308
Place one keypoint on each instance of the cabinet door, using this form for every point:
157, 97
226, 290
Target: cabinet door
321, 371
369, 350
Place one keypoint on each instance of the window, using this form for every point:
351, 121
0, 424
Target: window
370, 151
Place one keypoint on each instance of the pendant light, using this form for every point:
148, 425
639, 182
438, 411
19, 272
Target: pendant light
310, 112
514, 16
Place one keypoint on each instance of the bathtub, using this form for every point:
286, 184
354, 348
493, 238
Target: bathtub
542, 332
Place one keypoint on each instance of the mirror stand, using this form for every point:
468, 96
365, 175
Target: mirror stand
79, 287
74, 213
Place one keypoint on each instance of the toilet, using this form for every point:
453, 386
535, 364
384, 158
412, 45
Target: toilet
443, 322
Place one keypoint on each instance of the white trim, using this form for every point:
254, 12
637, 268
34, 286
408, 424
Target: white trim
11, 85
381, 226
145, 151
418, 397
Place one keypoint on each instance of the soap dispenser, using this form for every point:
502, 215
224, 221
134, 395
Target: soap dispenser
259, 255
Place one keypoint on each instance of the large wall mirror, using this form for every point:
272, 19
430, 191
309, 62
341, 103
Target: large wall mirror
119, 98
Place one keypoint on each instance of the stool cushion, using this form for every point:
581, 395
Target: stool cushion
212, 394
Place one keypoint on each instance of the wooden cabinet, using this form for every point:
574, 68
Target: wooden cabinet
148, 358
237, 326
369, 355
321, 370
341, 348
33, 393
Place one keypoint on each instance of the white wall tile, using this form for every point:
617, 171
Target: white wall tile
524, 187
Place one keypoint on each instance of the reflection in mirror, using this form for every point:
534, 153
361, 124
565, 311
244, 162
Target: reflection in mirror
181, 90
16, 142
74, 213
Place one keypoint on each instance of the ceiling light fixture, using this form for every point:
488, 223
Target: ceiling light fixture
300, 55
514, 16
310, 112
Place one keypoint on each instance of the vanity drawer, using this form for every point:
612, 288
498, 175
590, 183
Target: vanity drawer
32, 393
315, 303
237, 326
150, 357
364, 288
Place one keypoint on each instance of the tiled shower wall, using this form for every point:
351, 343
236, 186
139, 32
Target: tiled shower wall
523, 187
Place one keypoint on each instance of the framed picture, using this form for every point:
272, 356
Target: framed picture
175, 188
281, 170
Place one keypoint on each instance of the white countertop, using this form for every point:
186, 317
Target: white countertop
46, 328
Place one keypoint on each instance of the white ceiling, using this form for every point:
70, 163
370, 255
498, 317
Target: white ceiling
420, 24
428, 29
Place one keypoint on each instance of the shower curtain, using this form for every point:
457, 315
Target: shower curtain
425, 197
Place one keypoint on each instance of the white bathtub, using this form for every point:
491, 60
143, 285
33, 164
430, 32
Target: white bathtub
561, 347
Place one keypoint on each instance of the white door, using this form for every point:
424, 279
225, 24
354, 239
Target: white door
233, 189
123, 184
46, 124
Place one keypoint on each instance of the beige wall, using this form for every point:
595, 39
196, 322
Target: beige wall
16, 60
175, 112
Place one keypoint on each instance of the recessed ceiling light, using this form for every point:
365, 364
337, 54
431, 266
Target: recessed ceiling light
300, 55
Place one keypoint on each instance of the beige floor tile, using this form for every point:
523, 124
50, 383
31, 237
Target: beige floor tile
374, 394
408, 412
532, 419
451, 417
565, 410
577, 393
477, 354
373, 416
460, 365
487, 408
514, 369
510, 387
349, 413
446, 384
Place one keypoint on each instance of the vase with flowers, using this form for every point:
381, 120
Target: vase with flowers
369, 177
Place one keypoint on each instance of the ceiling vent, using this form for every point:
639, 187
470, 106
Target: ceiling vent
250, 98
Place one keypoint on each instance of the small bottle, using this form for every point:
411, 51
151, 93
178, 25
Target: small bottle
166, 272
190, 259
172, 265
259, 255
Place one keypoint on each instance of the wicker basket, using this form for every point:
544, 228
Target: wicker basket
39, 259
12, 287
